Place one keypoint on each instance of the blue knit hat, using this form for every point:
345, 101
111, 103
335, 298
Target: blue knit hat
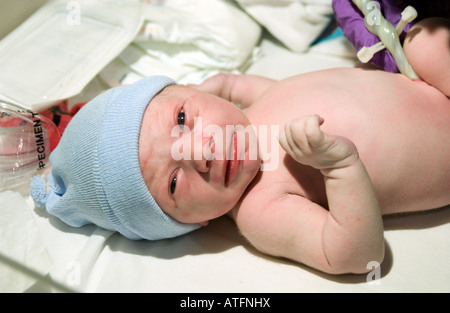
96, 177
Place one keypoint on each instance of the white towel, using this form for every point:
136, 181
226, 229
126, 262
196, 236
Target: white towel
296, 23
188, 41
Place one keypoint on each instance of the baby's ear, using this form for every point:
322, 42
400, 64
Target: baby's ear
205, 223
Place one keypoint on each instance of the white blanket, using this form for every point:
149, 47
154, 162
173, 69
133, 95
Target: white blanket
296, 23
188, 41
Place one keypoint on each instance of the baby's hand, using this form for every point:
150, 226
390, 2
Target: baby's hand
308, 144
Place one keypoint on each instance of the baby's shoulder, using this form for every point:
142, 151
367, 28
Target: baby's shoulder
263, 195
265, 211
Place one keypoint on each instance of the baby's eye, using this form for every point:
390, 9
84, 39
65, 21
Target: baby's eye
181, 119
173, 184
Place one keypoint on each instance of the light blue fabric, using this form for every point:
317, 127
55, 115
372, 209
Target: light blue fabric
96, 177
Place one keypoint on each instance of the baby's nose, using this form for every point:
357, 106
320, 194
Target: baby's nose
202, 166
201, 154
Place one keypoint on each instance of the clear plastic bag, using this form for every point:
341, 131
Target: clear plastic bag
26, 141
58, 50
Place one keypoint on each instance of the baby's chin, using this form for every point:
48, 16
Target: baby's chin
251, 168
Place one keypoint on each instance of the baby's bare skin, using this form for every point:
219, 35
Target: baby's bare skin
401, 129
355, 144
383, 147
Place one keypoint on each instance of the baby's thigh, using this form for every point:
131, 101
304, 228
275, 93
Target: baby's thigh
427, 46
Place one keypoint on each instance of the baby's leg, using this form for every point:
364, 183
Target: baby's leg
427, 47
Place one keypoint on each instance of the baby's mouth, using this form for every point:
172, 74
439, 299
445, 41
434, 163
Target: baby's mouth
232, 164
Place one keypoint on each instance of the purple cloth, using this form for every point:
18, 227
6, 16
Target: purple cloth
351, 21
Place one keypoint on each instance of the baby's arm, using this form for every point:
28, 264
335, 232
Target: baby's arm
342, 239
242, 90
354, 227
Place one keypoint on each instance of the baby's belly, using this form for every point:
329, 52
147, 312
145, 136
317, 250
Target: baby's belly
401, 129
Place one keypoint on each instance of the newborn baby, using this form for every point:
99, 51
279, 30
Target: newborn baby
157, 160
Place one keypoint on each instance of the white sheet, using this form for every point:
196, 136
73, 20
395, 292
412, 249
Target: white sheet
188, 41
217, 258
18, 226
296, 23
72, 41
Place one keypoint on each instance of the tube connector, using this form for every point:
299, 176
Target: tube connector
388, 35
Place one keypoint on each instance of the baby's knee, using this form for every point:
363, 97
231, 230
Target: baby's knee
427, 46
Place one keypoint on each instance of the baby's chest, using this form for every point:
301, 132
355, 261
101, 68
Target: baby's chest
290, 177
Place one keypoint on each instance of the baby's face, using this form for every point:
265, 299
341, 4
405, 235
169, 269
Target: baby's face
185, 136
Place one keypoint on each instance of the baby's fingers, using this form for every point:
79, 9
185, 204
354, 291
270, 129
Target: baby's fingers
219, 85
314, 135
283, 140
300, 136
211, 85
308, 144
305, 133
